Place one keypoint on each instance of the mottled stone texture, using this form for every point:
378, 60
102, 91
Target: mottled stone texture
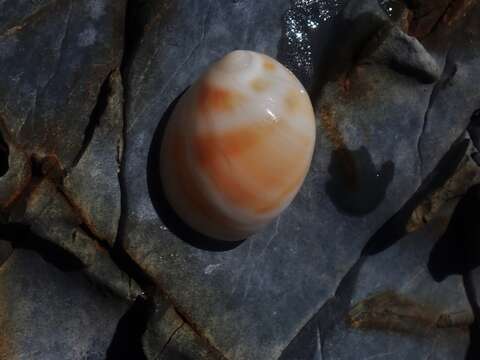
51, 217
345, 273
92, 184
383, 124
61, 138
48, 314
54, 60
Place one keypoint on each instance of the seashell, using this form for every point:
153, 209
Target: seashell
238, 146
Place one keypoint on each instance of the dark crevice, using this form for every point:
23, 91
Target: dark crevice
134, 28
170, 339
18, 206
336, 309
127, 341
118, 255
133, 270
474, 129
449, 71
140, 17
135, 22
473, 352
187, 321
124, 262
4, 154
442, 17
21, 237
95, 116
458, 252
395, 228
331, 314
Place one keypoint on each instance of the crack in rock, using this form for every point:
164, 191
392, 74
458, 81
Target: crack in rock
93, 184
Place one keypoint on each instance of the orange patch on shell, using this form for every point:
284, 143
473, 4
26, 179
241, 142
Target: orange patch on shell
259, 84
269, 65
216, 99
251, 153
294, 101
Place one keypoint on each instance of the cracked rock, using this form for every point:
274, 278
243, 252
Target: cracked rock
93, 184
48, 314
168, 336
5, 251
251, 300
46, 107
16, 179
466, 175
474, 129
50, 216
393, 307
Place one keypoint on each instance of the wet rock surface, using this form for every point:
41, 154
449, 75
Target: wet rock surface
355, 268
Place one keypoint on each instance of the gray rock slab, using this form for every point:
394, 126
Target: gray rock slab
393, 305
399, 311
51, 217
49, 314
73, 46
250, 302
93, 184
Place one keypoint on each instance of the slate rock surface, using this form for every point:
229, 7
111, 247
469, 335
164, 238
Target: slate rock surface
379, 123
49, 314
98, 165
406, 315
46, 107
394, 85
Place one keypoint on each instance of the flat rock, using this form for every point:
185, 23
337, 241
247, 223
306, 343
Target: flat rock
93, 184
383, 127
391, 305
49, 314
50, 216
74, 46
168, 336
398, 309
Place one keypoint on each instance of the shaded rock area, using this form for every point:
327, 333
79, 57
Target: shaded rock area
5, 251
50, 314
455, 187
375, 258
407, 314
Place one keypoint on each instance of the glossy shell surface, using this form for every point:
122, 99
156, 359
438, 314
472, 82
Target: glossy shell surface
238, 146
